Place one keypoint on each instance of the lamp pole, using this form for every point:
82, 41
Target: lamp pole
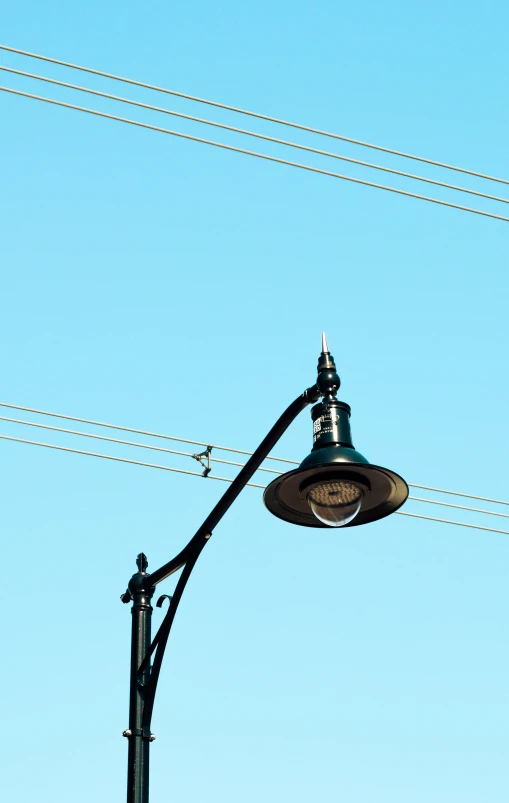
138, 755
334, 486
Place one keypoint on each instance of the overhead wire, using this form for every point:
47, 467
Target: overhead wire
138, 444
245, 452
459, 507
255, 134
126, 443
255, 154
223, 479
135, 431
449, 521
212, 459
458, 493
120, 459
257, 115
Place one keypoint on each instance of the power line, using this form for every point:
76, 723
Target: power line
126, 443
120, 459
137, 431
150, 434
448, 521
265, 156
212, 459
458, 507
223, 479
259, 116
255, 134
457, 493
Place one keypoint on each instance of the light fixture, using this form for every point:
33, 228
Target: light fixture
335, 485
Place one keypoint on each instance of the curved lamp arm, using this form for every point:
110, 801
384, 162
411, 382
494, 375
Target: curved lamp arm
146, 678
309, 396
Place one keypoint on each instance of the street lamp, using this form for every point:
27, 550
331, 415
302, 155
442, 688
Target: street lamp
334, 486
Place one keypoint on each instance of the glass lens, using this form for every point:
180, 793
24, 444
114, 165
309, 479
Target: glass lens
335, 503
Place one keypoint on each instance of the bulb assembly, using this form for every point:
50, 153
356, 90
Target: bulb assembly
335, 503
335, 485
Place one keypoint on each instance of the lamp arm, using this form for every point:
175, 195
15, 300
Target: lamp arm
204, 532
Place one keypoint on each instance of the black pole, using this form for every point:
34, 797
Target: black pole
139, 742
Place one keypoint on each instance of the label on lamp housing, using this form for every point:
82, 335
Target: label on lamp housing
324, 425
331, 424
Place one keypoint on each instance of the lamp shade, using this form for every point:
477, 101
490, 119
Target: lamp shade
383, 491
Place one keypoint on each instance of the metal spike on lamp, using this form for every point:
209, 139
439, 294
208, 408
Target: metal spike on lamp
335, 485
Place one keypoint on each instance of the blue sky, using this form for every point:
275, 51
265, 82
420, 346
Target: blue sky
167, 285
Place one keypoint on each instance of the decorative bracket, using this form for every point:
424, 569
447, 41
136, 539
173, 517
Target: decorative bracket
201, 457
161, 599
147, 691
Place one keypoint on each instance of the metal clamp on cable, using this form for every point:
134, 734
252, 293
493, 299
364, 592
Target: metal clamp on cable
201, 457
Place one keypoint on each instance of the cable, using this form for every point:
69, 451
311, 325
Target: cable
448, 521
223, 479
127, 443
136, 431
458, 507
255, 134
252, 153
457, 493
252, 114
121, 459
214, 459
223, 449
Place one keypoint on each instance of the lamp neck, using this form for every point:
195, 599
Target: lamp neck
331, 418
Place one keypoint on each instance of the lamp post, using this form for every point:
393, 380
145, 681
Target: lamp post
334, 486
